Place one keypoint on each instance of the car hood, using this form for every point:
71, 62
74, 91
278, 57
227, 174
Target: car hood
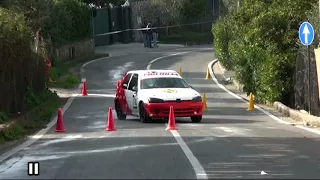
170, 94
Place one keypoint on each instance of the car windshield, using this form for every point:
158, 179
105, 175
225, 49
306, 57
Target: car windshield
163, 83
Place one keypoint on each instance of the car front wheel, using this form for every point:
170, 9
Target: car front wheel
144, 118
196, 119
120, 114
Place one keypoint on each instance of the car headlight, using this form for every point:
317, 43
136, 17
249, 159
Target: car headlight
197, 99
155, 100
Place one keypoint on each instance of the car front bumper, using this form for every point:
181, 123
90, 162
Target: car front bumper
181, 109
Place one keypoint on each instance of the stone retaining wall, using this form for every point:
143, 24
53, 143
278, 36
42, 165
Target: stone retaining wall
74, 50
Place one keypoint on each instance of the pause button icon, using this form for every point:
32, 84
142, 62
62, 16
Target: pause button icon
33, 168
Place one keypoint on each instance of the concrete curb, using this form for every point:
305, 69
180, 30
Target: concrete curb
306, 118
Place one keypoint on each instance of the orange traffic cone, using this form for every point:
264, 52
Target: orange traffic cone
84, 89
172, 121
60, 123
110, 123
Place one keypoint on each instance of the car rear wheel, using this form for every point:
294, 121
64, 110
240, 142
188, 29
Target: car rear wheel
120, 114
196, 119
144, 118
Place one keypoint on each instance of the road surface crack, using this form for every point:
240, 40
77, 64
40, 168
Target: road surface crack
12, 164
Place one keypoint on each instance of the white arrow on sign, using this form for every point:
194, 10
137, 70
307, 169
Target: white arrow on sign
306, 32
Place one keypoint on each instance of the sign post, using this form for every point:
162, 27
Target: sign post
306, 36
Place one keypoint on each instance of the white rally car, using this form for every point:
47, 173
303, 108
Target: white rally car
148, 94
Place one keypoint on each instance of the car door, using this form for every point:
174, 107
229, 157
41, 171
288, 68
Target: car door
132, 94
124, 102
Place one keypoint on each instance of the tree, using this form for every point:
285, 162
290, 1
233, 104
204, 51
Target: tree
261, 45
20, 67
193, 9
36, 12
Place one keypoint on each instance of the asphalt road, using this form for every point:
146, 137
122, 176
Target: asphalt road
230, 142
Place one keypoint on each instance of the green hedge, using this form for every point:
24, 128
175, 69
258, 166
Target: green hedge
71, 21
260, 44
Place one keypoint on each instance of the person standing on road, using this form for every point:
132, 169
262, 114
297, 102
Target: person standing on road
149, 35
155, 37
144, 34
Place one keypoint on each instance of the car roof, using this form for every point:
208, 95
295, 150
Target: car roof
156, 73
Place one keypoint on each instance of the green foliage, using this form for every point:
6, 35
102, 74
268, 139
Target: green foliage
36, 12
63, 21
193, 9
78, 27
259, 42
60, 26
47, 112
33, 100
20, 66
15, 34
13, 132
71, 81
313, 17
3, 117
222, 37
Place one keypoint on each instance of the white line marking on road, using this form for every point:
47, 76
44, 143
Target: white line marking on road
162, 57
309, 129
175, 54
118, 72
200, 172
60, 140
256, 106
95, 60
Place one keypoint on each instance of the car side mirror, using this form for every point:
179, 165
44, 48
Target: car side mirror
134, 88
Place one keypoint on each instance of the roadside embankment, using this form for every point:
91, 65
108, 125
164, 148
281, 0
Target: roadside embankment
227, 78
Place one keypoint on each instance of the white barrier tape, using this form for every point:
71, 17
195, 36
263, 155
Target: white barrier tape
139, 29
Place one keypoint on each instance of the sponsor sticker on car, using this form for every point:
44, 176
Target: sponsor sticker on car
161, 74
170, 91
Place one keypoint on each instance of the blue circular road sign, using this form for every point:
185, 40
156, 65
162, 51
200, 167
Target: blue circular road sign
306, 33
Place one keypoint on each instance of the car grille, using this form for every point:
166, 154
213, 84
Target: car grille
179, 101
178, 110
